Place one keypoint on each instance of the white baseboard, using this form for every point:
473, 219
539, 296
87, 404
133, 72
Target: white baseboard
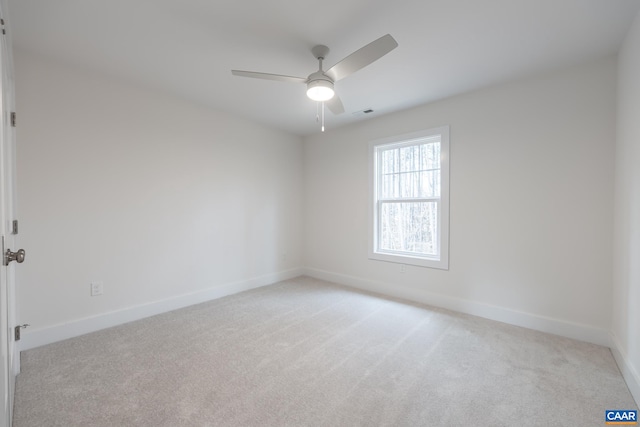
39, 337
527, 320
629, 372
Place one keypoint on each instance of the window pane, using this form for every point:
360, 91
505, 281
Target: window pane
389, 159
430, 183
430, 154
389, 187
409, 184
409, 158
409, 227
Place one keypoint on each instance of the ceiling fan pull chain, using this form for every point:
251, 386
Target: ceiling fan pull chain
317, 112
322, 128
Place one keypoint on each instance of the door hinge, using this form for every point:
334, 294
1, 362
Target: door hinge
18, 328
14, 227
2, 23
13, 119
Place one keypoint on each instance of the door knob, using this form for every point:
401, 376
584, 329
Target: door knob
17, 256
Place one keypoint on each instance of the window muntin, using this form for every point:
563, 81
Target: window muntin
410, 199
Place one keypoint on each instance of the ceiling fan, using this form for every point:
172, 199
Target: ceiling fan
320, 84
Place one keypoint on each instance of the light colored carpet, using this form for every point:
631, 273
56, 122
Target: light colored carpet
309, 353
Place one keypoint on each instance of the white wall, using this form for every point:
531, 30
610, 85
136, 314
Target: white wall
531, 221
156, 197
626, 255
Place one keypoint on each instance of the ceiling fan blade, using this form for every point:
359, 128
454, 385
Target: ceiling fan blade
267, 76
335, 105
362, 57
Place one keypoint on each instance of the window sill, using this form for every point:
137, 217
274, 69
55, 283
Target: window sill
441, 264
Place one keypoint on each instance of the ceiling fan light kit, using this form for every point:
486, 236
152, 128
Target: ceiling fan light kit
320, 90
320, 85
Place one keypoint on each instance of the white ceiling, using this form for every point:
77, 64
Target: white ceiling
446, 47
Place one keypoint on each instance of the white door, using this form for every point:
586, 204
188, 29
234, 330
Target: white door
9, 362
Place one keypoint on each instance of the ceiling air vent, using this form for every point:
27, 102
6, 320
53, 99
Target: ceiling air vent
363, 112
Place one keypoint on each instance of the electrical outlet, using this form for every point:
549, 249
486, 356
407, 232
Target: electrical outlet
97, 288
403, 268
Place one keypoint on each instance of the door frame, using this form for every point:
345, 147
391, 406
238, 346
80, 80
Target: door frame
8, 207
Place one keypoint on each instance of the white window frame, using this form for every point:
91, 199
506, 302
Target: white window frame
441, 260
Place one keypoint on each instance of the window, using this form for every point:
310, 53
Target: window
409, 212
